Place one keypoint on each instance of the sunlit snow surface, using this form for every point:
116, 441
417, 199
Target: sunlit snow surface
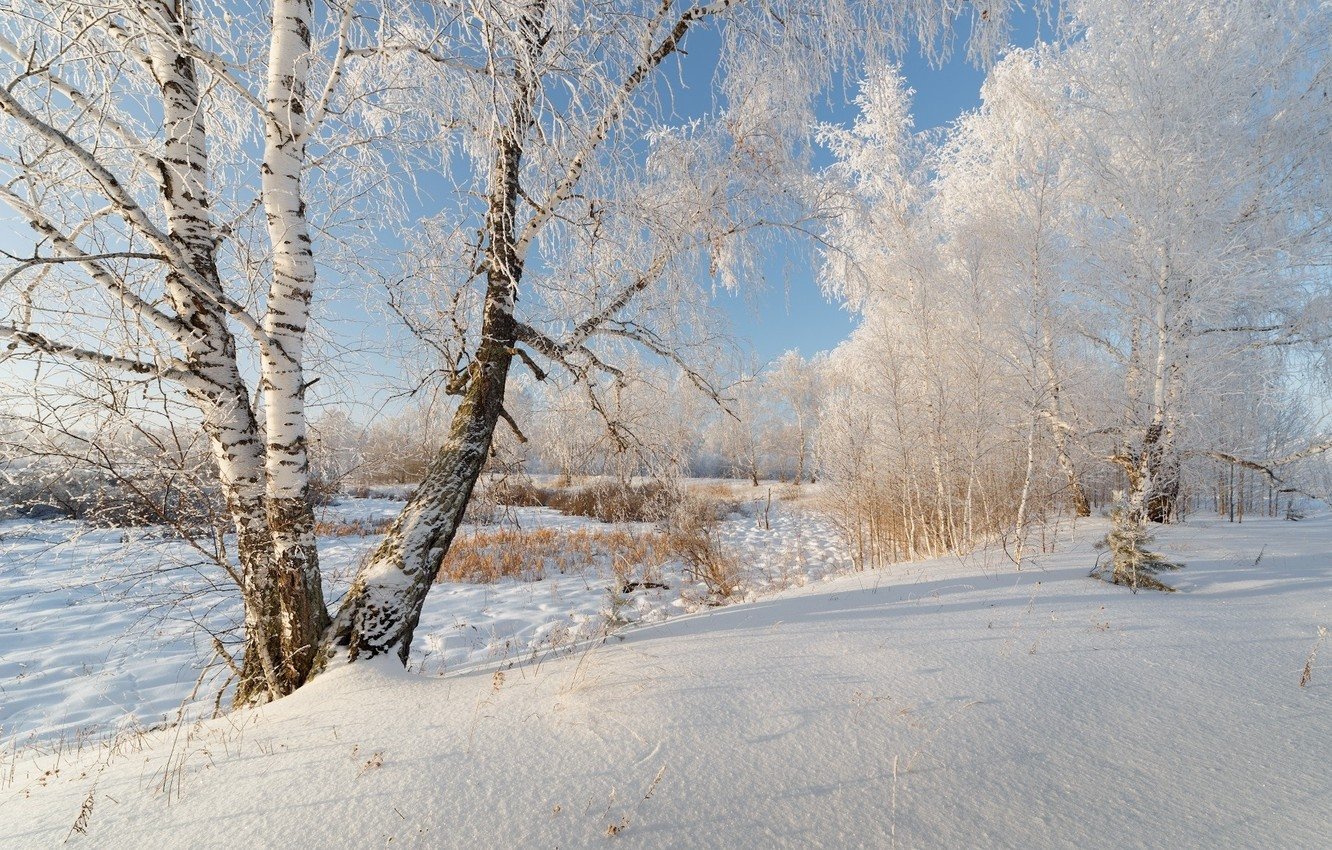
948, 703
103, 630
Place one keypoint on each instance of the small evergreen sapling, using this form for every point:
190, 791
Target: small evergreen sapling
1132, 562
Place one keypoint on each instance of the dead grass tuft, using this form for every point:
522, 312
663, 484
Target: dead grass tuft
694, 542
352, 528
488, 555
609, 500
613, 501
1306, 676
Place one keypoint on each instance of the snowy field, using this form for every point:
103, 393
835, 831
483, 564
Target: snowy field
949, 703
109, 630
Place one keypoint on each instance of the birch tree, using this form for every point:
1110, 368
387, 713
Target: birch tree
597, 213
141, 140
1203, 196
1006, 180
795, 384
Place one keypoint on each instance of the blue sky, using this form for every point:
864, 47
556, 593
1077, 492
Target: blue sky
793, 313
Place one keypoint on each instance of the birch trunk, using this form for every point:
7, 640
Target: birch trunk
1059, 429
1024, 498
1164, 505
1159, 478
276, 619
1081, 505
380, 612
293, 611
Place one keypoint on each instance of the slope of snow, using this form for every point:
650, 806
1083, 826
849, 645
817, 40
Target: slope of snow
949, 703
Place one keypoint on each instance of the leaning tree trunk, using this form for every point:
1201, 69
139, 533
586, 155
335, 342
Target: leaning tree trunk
383, 606
380, 612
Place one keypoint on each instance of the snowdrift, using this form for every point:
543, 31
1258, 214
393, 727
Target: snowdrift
943, 704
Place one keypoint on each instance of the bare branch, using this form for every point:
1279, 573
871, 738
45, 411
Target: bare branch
93, 265
133, 214
614, 110
169, 368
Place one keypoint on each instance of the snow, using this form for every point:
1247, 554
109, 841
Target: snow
468, 623
102, 627
955, 702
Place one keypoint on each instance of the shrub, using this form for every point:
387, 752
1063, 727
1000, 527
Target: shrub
692, 538
351, 528
606, 500
514, 493
481, 510
138, 495
612, 501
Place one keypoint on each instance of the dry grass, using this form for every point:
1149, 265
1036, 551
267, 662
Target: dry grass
351, 528
513, 492
488, 555
1306, 675
706, 561
721, 491
615, 502
634, 559
609, 500
889, 520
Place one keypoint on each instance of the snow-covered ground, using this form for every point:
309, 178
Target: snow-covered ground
950, 703
108, 630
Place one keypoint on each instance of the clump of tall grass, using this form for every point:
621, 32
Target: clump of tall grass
489, 555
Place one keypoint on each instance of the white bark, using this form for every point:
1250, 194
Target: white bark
262, 471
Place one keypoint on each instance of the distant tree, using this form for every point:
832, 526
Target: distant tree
796, 385
745, 436
1101, 274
